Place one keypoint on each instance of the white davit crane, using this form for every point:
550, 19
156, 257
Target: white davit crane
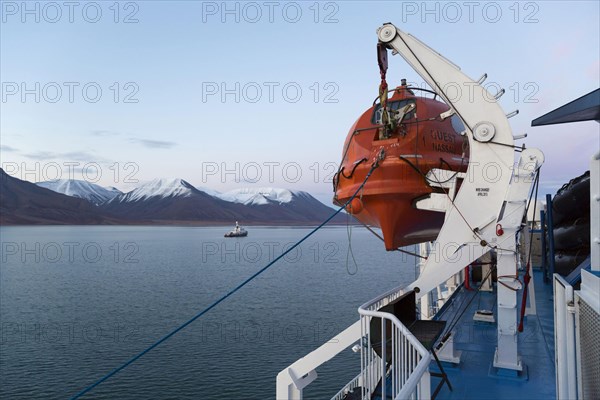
485, 214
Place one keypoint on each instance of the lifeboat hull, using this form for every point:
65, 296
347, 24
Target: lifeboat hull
388, 198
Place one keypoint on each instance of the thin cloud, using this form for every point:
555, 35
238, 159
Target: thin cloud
104, 133
81, 156
41, 155
7, 148
72, 156
153, 144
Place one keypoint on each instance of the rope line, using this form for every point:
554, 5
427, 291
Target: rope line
223, 298
336, 176
349, 252
527, 276
457, 317
410, 253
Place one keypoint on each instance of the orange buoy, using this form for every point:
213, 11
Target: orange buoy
355, 206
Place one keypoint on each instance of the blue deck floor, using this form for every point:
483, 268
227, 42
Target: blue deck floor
474, 379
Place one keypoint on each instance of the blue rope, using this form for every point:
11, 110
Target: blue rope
216, 303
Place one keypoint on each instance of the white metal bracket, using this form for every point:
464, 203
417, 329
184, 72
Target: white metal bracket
304, 381
448, 353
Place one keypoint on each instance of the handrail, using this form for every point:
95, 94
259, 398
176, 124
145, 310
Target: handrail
409, 358
403, 329
564, 338
294, 378
390, 295
353, 384
410, 386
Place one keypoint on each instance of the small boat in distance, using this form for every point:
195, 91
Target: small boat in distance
238, 231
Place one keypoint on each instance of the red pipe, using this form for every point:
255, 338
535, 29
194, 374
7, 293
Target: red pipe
468, 278
526, 280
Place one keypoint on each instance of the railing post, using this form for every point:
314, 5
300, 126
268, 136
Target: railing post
564, 339
383, 357
293, 379
424, 302
560, 338
570, 342
424, 389
285, 388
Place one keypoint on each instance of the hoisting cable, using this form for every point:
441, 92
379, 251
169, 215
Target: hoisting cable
527, 276
457, 317
462, 119
382, 61
410, 253
349, 252
231, 292
416, 168
475, 231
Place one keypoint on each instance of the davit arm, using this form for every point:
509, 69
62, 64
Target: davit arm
493, 191
469, 230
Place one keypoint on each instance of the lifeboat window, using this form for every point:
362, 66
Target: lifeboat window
457, 124
392, 106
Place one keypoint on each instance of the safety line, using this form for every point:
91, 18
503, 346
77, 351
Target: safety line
217, 302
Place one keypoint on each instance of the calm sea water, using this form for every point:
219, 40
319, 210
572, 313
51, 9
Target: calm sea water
75, 302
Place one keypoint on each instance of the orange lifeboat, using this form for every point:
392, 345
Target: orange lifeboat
416, 140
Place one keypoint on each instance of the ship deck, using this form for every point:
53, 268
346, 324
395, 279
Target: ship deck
475, 378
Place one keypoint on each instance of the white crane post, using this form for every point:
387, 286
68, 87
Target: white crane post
469, 230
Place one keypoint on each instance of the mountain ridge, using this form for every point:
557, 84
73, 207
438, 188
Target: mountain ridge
161, 202
92, 192
25, 203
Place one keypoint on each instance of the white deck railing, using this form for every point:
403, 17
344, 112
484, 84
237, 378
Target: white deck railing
408, 369
293, 379
353, 384
564, 339
407, 372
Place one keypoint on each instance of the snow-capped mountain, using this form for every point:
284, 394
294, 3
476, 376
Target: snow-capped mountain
158, 188
258, 196
209, 191
173, 200
279, 205
84, 190
25, 203
161, 201
178, 201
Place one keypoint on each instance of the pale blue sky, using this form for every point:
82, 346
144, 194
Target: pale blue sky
178, 48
